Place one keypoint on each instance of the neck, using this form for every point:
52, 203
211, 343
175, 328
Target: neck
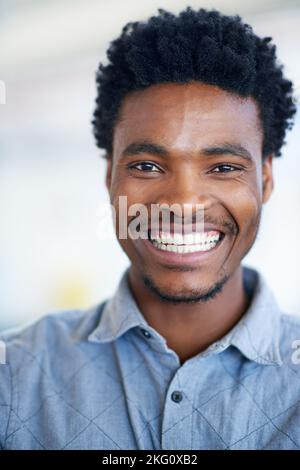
191, 328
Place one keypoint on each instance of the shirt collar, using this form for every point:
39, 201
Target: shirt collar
120, 314
256, 335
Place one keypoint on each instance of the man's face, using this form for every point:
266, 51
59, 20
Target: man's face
205, 148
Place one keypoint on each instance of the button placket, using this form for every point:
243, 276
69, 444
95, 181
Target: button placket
178, 413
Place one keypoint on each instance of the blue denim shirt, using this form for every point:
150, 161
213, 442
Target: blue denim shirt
105, 379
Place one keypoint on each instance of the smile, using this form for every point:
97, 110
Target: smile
187, 243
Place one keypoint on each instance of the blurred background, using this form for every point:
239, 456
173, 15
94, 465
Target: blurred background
52, 255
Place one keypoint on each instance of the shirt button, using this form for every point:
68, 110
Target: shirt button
177, 396
146, 333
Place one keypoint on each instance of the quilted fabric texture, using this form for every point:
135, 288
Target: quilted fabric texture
105, 379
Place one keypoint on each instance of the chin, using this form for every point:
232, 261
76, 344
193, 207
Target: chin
183, 292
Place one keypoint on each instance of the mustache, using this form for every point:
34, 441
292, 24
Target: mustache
225, 225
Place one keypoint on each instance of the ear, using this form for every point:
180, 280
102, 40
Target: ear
267, 176
108, 172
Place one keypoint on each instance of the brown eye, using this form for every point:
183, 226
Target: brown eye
145, 166
225, 168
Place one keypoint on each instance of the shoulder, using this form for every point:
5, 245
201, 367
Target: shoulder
289, 327
52, 335
291, 319
37, 360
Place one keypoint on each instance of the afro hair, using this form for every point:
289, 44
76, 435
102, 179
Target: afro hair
202, 45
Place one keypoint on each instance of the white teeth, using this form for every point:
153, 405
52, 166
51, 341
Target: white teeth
177, 238
185, 248
186, 239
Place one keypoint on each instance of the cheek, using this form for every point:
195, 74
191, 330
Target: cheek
126, 194
135, 191
245, 209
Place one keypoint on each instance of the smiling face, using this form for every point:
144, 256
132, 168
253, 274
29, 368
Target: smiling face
191, 144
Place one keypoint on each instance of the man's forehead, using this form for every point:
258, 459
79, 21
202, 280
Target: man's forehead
195, 97
186, 113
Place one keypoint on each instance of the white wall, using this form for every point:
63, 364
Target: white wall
51, 175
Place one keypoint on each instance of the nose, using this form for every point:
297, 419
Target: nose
185, 188
185, 198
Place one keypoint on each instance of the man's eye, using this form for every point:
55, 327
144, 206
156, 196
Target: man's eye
225, 168
145, 166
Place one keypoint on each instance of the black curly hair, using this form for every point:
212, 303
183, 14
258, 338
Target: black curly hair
202, 45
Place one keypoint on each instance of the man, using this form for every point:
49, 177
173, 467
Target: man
192, 351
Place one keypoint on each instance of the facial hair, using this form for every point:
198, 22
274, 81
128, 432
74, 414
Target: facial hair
194, 296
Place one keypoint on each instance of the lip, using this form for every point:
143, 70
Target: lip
171, 258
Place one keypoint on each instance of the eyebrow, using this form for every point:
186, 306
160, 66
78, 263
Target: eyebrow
236, 150
226, 148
